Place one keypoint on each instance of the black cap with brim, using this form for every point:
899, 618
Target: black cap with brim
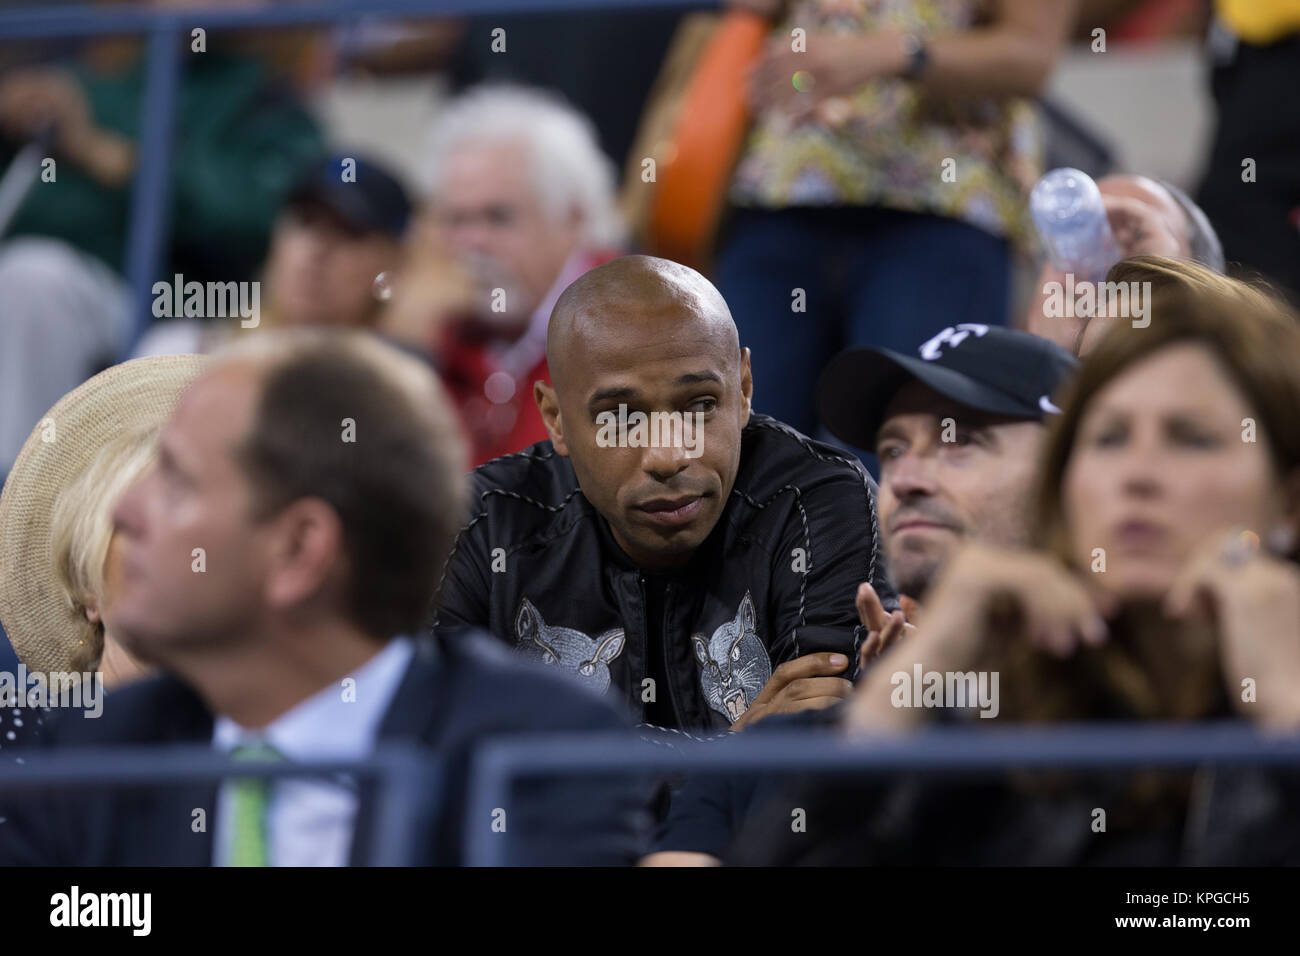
1001, 371
370, 201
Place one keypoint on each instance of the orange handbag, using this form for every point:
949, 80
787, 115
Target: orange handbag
694, 129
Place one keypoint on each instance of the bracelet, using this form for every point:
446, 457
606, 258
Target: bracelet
918, 56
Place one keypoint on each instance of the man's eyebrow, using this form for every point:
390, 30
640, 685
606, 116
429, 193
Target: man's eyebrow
694, 378
608, 394
887, 430
623, 392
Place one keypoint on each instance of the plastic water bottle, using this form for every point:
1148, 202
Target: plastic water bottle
1067, 209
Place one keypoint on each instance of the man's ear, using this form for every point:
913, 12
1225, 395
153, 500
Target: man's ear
307, 549
548, 404
746, 384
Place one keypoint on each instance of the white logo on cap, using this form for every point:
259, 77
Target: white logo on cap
1046, 405
952, 337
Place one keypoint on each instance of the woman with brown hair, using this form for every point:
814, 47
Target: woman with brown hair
1165, 587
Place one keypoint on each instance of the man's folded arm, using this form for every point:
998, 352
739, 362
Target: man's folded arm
827, 551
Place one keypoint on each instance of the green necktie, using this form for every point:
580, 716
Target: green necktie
251, 797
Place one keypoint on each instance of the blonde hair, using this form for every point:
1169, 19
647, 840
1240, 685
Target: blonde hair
81, 529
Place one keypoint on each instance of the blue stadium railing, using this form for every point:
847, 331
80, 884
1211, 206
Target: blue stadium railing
167, 30
940, 750
407, 781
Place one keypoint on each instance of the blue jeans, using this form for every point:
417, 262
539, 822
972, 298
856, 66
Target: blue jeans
870, 276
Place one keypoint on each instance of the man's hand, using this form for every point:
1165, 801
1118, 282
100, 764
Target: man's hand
1139, 230
804, 683
882, 629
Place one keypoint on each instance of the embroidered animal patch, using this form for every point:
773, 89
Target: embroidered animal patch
734, 664
573, 651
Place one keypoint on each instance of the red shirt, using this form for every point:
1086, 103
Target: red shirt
500, 417
491, 381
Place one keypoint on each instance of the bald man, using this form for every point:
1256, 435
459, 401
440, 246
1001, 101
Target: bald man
666, 545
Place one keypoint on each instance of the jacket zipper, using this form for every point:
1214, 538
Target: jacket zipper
663, 641
663, 646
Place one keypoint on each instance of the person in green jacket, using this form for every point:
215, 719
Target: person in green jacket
240, 138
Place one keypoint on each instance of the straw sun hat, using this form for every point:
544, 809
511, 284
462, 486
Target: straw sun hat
134, 396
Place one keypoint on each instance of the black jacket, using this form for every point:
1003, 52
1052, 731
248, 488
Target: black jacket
536, 565
459, 690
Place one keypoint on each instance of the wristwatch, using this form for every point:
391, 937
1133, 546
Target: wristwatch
918, 56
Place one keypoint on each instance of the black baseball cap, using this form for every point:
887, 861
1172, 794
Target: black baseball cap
993, 369
371, 201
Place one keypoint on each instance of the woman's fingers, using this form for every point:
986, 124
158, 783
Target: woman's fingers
1057, 611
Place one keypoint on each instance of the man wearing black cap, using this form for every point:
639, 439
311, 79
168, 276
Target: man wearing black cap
956, 427
340, 228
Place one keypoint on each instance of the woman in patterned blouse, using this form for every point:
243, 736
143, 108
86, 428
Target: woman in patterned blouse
883, 185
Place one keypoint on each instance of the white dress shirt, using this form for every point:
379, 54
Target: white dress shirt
310, 820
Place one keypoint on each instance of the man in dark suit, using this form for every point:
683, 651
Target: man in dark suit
272, 564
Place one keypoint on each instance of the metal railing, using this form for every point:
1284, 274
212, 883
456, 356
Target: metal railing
939, 750
406, 777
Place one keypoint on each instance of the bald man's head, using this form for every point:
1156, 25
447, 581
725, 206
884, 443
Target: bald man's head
667, 295
648, 336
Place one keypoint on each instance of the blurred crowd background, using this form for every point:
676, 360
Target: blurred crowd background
441, 179
849, 173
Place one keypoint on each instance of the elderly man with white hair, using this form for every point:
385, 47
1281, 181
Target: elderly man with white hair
524, 200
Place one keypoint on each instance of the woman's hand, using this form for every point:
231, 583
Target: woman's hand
984, 595
1253, 599
835, 64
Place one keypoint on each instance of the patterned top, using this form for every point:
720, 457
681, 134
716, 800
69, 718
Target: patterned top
890, 147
